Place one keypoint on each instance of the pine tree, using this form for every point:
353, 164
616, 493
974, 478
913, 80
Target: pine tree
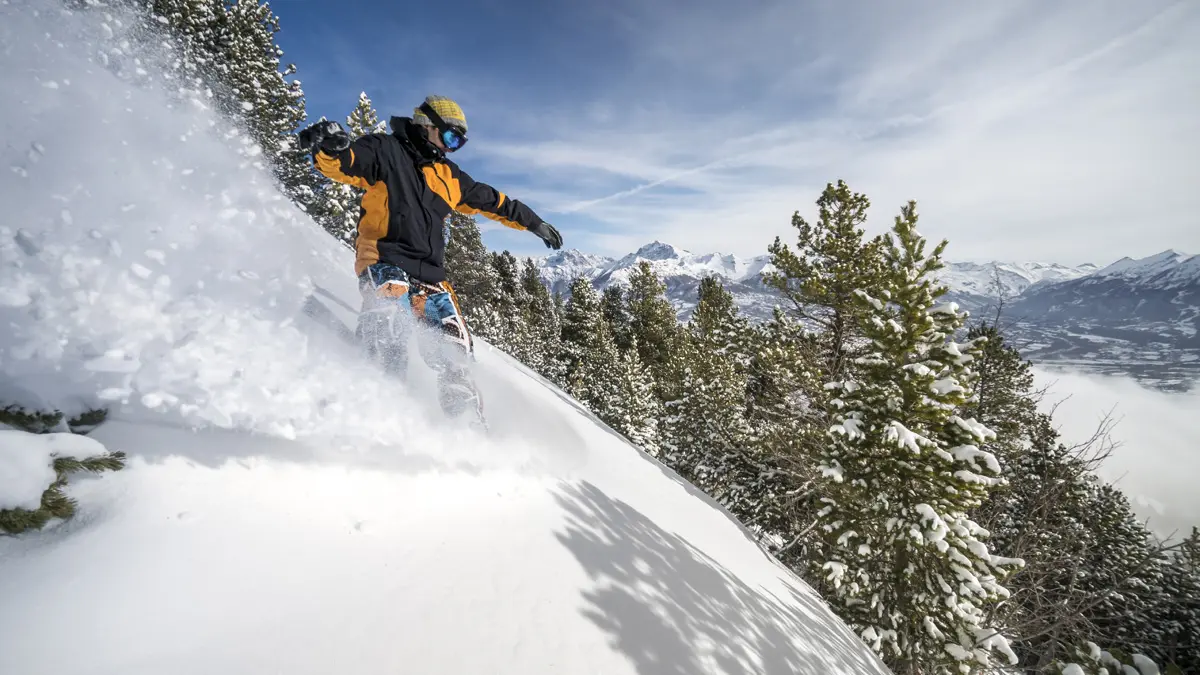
269, 105
200, 29
1035, 515
830, 264
635, 410
710, 439
511, 305
590, 359
616, 312
54, 502
615, 387
1092, 571
545, 326
227, 51
1122, 574
1178, 618
363, 120
1088, 659
654, 328
1005, 399
782, 383
469, 271
909, 569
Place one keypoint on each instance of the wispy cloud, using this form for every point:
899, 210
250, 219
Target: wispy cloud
1063, 131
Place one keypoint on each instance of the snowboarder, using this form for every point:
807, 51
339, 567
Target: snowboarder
411, 187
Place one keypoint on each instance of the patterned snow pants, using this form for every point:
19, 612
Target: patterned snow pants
394, 307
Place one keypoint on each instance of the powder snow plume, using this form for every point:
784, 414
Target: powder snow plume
148, 259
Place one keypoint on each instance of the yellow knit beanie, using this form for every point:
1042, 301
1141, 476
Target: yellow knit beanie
449, 111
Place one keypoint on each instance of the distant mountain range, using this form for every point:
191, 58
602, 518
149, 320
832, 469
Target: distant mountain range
1139, 317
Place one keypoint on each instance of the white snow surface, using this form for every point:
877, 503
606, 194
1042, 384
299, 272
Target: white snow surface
26, 469
285, 508
1144, 665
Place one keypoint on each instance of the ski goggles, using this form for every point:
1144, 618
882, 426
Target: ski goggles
452, 137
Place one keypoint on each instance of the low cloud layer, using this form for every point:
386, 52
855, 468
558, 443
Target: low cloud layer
1157, 460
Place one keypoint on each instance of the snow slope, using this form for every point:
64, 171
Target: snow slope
286, 509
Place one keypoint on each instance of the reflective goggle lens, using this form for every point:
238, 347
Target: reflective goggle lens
453, 139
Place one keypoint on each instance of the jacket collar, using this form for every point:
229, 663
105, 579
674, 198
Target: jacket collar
412, 135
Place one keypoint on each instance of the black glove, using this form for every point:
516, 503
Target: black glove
548, 234
325, 135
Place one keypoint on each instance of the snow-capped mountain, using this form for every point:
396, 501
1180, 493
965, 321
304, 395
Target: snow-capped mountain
979, 284
1135, 316
1145, 310
1169, 269
560, 268
680, 270
1160, 288
972, 284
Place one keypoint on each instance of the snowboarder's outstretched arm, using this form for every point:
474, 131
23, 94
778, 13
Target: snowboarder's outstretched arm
484, 199
354, 163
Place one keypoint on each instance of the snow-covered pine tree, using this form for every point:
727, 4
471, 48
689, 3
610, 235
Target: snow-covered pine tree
270, 106
616, 312
512, 305
710, 440
907, 567
1037, 515
470, 272
654, 328
545, 325
590, 359
200, 29
635, 410
1178, 619
1122, 574
54, 503
226, 50
1089, 659
782, 383
1005, 399
364, 119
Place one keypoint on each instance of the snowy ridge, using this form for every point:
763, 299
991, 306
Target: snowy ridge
285, 508
562, 267
974, 284
1165, 270
667, 261
1006, 279
670, 262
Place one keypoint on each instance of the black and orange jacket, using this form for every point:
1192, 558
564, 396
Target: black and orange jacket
411, 187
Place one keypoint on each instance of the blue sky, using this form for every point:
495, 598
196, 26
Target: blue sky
1024, 130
